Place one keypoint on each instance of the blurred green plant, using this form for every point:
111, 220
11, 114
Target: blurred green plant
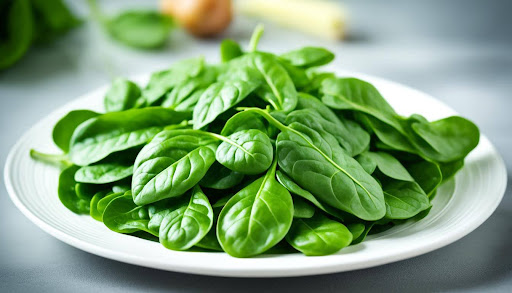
27, 22
142, 29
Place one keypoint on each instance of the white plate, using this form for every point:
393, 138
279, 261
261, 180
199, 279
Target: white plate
459, 207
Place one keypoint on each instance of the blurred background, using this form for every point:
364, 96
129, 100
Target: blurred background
458, 51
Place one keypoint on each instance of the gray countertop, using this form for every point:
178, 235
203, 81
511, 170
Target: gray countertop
458, 51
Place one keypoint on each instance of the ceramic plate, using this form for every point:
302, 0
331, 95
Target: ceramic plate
460, 206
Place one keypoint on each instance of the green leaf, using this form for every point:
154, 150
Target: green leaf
218, 98
427, 174
390, 136
64, 128
67, 193
355, 94
363, 235
140, 29
246, 151
210, 240
243, 121
100, 201
354, 139
164, 81
122, 215
220, 177
122, 95
101, 136
103, 173
318, 235
308, 57
279, 90
185, 95
302, 209
256, 218
450, 169
297, 190
172, 163
16, 32
387, 164
229, 50
451, 138
187, 225
404, 199
357, 229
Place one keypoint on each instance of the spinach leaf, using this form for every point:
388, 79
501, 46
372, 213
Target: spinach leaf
318, 164
210, 240
243, 121
67, 193
218, 98
353, 140
138, 29
298, 75
87, 191
308, 57
315, 81
427, 174
256, 218
103, 173
64, 128
122, 95
246, 151
297, 190
390, 136
162, 82
404, 199
349, 134
16, 29
357, 229
318, 235
229, 50
363, 235
172, 163
220, 177
122, 215
387, 164
355, 94
100, 201
279, 89
185, 95
185, 226
302, 209
112, 132
450, 169
451, 138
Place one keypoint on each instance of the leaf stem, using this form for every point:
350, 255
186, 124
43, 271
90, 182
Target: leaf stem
255, 38
265, 114
61, 161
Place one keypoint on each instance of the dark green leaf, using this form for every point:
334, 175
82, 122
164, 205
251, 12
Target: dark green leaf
318, 235
172, 163
118, 131
122, 95
185, 226
63, 130
256, 218
308, 57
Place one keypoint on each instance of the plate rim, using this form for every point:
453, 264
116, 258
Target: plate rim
253, 273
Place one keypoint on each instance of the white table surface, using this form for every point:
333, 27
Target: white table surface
458, 51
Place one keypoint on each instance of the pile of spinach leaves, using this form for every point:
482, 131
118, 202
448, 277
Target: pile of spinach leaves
262, 153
